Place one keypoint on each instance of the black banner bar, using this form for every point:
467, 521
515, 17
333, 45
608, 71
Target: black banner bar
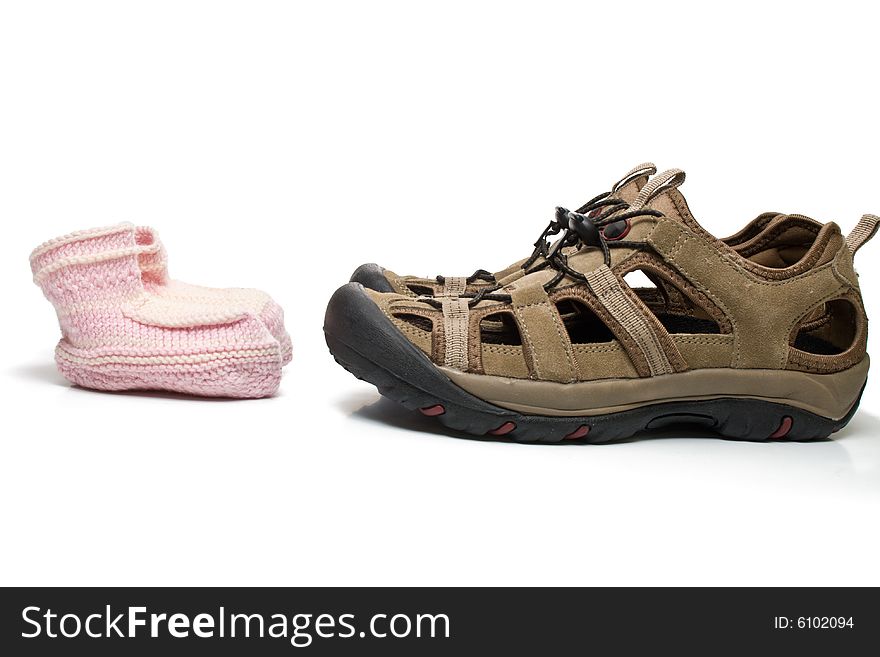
391, 621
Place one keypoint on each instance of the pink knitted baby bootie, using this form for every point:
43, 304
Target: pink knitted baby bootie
154, 272
118, 335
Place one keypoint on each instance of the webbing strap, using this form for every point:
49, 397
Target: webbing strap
455, 330
607, 288
644, 169
864, 231
453, 286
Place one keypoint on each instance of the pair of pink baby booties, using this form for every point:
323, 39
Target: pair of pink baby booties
127, 326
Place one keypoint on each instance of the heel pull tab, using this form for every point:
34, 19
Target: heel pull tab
864, 231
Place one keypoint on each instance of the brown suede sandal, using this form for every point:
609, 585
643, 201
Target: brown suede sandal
766, 340
627, 188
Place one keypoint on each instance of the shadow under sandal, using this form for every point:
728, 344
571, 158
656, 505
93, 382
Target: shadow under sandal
118, 335
763, 342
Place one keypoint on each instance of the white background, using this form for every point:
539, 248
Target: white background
280, 144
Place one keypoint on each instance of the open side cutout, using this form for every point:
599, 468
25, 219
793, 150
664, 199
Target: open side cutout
421, 290
675, 309
638, 280
648, 288
830, 330
500, 328
582, 324
419, 321
689, 325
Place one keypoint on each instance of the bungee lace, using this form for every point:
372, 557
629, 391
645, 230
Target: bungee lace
600, 223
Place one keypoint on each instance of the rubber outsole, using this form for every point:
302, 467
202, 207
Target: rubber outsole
372, 276
367, 344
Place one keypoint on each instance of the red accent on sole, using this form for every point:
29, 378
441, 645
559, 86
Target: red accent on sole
433, 411
503, 430
578, 433
783, 429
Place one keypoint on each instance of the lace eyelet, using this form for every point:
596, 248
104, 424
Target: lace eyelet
617, 230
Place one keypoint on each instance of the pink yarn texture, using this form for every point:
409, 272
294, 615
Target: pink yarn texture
127, 326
